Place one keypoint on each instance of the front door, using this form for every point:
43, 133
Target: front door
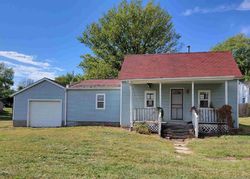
176, 104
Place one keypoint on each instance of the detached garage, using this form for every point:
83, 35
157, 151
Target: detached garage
41, 104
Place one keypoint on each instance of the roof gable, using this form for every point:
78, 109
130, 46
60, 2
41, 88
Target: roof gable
179, 65
36, 83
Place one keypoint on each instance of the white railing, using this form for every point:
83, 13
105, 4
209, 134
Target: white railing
149, 115
145, 114
195, 121
208, 115
159, 121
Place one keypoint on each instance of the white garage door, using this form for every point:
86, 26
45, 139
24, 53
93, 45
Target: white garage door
45, 113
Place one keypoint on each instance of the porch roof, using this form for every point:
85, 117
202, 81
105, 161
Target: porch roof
180, 65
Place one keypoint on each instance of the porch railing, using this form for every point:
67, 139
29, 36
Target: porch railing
209, 115
152, 116
145, 114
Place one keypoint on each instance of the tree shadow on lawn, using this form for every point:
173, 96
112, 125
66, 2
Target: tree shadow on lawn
6, 114
244, 129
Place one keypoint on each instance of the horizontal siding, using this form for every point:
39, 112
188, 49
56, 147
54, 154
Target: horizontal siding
217, 93
81, 106
125, 121
43, 90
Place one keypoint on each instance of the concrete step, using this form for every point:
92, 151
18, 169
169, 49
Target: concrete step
177, 130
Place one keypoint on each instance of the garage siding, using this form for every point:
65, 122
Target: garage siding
43, 90
81, 107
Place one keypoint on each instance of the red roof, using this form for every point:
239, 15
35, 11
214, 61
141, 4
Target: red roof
179, 65
97, 83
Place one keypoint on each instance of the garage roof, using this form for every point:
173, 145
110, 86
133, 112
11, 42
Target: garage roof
105, 83
39, 81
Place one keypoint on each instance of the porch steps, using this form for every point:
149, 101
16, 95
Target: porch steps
177, 130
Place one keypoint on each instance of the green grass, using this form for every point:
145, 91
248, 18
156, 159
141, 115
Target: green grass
245, 126
106, 152
6, 114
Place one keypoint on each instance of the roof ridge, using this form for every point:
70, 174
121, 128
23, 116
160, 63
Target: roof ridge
99, 79
225, 51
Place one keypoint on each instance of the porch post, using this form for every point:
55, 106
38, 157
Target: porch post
226, 92
160, 97
130, 105
160, 105
192, 94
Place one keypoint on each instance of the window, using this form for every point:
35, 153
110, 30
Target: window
150, 99
204, 99
100, 101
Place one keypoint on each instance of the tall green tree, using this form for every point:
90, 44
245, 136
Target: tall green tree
68, 78
130, 28
240, 47
6, 80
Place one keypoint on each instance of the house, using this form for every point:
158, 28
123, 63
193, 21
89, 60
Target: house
244, 92
175, 82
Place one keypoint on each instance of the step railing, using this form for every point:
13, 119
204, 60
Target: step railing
195, 122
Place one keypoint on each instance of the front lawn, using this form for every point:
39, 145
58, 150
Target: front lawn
226, 147
106, 152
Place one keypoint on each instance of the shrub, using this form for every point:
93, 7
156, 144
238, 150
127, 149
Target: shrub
142, 128
225, 115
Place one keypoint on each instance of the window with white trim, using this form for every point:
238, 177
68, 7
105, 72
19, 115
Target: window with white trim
150, 97
204, 98
100, 101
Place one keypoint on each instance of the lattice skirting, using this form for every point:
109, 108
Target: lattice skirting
153, 126
213, 128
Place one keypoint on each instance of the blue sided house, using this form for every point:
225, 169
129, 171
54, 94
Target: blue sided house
181, 91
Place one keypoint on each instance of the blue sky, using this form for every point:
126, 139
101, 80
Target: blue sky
39, 38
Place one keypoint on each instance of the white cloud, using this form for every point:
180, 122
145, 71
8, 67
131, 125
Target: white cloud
243, 6
245, 30
27, 59
29, 72
25, 67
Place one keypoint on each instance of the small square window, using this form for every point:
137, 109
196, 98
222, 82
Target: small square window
150, 99
204, 99
243, 100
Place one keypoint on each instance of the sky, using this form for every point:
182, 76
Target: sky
39, 38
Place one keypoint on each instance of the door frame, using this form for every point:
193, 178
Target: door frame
170, 103
43, 100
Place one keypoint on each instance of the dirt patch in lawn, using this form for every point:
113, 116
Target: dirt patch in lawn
228, 158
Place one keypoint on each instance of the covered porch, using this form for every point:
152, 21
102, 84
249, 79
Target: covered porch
177, 99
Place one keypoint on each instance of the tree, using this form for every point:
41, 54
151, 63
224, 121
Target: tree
240, 47
6, 80
242, 55
233, 43
68, 78
130, 28
24, 83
